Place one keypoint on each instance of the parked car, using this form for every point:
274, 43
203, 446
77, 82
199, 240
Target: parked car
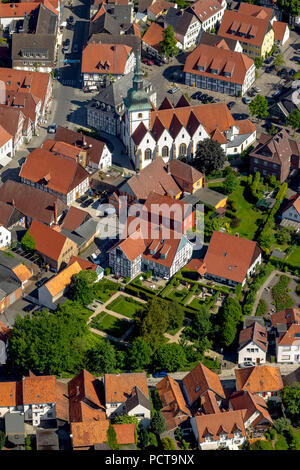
269, 60
41, 282
270, 69
67, 42
158, 62
276, 94
160, 374
246, 364
174, 90
257, 89
246, 100
66, 50
52, 128
282, 72
82, 199
71, 20
75, 48
94, 258
230, 104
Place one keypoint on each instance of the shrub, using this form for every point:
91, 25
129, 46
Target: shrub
282, 424
28, 443
262, 445
281, 443
107, 271
261, 308
168, 443
272, 433
152, 440
127, 279
235, 222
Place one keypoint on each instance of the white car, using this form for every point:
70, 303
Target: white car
94, 258
257, 89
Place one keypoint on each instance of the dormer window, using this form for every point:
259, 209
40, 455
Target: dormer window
200, 68
227, 74
214, 71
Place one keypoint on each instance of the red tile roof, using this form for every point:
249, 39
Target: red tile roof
24, 198
288, 315
252, 403
235, 63
233, 22
256, 11
4, 136
36, 82
39, 389
230, 256
291, 337
196, 265
255, 333
175, 409
105, 58
49, 242
154, 35
85, 398
259, 379
86, 434
279, 30
125, 433
118, 387
83, 263
185, 172
17, 10
204, 9
74, 218
215, 424
159, 6
209, 403
61, 174
201, 379
10, 394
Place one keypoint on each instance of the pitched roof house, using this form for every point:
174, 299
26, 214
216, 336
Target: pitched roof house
290, 214
257, 415
23, 199
219, 430
231, 259
253, 344
281, 33
85, 435
102, 60
174, 410
55, 248
56, 287
287, 345
127, 394
263, 380
232, 72
287, 316
199, 381
272, 155
36, 397
97, 153
253, 30
55, 174
86, 398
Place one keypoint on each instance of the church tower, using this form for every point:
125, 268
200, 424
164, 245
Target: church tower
138, 106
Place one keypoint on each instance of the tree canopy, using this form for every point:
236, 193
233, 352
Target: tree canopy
290, 6
230, 315
28, 242
48, 343
170, 357
81, 287
209, 156
139, 353
168, 44
293, 119
102, 358
158, 423
259, 107
230, 183
291, 400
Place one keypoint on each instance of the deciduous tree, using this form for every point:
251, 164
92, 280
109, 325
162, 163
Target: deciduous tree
209, 156
259, 107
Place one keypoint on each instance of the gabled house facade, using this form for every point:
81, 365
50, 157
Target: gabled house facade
127, 394
253, 345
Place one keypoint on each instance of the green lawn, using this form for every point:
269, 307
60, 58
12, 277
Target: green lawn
246, 213
294, 257
104, 289
111, 325
195, 303
125, 306
178, 295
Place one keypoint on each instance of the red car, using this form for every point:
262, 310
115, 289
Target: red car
150, 62
145, 61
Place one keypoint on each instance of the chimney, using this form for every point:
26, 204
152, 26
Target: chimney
13, 203
55, 213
